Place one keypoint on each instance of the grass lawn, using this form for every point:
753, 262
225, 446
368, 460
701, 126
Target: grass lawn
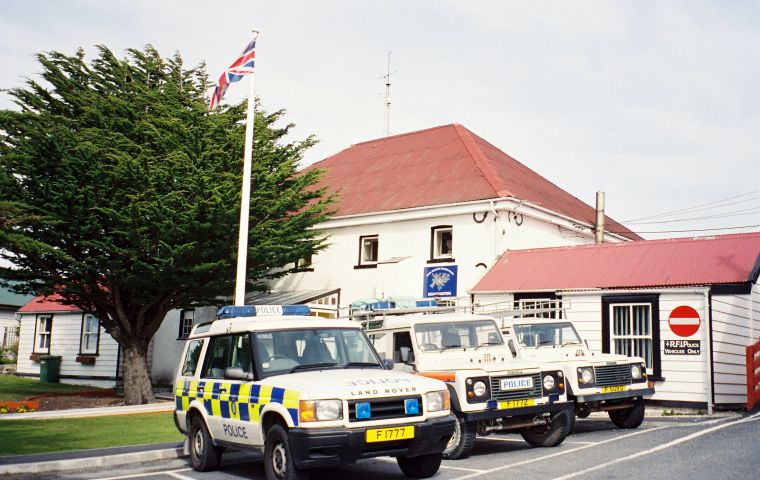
21, 437
14, 388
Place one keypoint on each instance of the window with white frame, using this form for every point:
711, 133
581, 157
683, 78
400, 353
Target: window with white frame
90, 335
538, 307
631, 331
368, 250
442, 243
43, 332
186, 318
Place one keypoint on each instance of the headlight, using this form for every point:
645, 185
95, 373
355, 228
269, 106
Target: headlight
548, 382
319, 410
636, 372
479, 388
586, 375
437, 401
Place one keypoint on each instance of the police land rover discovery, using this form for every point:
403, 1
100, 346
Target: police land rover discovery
306, 393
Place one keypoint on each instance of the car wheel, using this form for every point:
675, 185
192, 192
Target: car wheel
204, 456
423, 466
549, 435
629, 417
462, 441
278, 457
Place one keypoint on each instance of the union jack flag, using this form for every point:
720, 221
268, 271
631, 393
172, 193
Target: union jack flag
242, 66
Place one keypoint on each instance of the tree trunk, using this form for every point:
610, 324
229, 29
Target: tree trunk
137, 386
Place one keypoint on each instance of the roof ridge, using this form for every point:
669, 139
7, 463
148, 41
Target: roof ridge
480, 160
380, 139
638, 243
398, 135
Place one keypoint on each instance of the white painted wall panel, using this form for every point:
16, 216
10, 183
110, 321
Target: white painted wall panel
474, 243
65, 342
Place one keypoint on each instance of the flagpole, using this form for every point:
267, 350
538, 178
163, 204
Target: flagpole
245, 199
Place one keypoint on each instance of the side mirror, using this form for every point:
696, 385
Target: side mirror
388, 363
404, 354
236, 373
512, 348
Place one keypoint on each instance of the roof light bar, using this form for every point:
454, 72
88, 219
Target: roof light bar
232, 311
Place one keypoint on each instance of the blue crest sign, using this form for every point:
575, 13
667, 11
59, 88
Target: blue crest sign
440, 282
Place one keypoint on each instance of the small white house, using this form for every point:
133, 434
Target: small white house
425, 214
9, 304
689, 306
89, 355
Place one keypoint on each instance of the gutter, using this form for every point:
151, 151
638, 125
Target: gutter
506, 203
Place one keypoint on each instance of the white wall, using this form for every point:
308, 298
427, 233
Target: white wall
473, 243
166, 346
736, 324
685, 376
65, 342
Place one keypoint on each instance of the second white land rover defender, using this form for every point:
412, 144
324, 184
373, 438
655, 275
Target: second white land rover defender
490, 390
595, 381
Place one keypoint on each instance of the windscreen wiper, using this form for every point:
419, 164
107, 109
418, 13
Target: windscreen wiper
361, 364
485, 344
312, 365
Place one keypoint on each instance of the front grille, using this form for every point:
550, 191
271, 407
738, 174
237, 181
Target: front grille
610, 375
382, 408
498, 394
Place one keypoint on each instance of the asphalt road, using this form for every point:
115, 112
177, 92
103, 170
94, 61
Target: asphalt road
662, 448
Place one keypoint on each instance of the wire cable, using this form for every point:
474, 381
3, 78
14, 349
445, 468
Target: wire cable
699, 207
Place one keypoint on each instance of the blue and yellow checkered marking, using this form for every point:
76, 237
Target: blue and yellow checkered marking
237, 401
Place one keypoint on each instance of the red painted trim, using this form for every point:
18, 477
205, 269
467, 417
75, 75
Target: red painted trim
753, 375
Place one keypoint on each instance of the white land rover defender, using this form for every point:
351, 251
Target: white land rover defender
595, 381
306, 392
490, 391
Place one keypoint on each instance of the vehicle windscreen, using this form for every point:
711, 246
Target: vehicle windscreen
465, 334
288, 351
546, 334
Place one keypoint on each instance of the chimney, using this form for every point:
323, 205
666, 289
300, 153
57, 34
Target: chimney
599, 226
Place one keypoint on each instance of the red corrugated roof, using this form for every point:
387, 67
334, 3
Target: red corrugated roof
440, 166
646, 263
50, 303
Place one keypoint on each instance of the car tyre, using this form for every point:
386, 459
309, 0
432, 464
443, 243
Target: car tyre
462, 441
423, 466
278, 457
629, 417
204, 456
552, 434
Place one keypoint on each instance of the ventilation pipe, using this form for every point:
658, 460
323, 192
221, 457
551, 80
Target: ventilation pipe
599, 226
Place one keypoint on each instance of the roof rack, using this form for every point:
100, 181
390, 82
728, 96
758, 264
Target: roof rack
234, 311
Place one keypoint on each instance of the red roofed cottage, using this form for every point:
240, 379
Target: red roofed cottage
630, 298
88, 355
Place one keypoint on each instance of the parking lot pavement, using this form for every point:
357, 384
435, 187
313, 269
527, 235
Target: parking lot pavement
672, 448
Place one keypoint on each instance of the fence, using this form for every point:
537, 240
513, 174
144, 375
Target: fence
9, 336
753, 375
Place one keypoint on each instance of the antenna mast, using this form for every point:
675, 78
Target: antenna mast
387, 78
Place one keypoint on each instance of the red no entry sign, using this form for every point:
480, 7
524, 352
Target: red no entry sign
684, 321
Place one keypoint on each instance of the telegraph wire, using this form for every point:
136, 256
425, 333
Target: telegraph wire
708, 205
735, 213
691, 230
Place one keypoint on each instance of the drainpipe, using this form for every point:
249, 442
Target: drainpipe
709, 353
599, 226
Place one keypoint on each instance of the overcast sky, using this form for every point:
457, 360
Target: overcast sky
656, 103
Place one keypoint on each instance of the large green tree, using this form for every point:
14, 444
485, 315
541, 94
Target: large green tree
121, 192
